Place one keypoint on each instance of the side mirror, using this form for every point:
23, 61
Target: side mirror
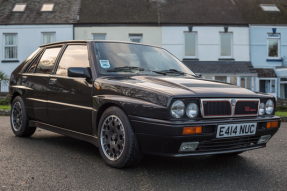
79, 72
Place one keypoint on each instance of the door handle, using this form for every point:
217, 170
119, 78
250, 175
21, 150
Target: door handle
53, 81
24, 78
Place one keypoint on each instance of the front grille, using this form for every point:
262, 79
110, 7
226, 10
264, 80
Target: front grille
216, 108
228, 143
246, 108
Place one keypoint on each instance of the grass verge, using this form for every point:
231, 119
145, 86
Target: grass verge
281, 113
4, 107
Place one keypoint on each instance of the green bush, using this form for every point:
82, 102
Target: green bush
3, 102
281, 108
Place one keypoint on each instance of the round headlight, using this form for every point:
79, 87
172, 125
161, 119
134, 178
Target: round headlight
192, 110
261, 109
269, 107
177, 109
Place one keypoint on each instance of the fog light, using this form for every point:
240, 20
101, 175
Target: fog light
264, 139
188, 146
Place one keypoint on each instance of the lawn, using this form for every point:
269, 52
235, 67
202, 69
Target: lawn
4, 107
281, 113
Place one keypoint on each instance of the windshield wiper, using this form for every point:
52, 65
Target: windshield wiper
126, 69
170, 71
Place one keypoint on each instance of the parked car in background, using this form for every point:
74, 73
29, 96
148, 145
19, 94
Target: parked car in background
132, 99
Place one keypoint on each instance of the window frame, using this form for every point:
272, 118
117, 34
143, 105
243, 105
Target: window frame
61, 54
279, 46
50, 32
4, 46
99, 34
231, 46
196, 45
136, 36
245, 82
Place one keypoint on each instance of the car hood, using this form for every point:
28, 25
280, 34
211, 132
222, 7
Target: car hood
174, 86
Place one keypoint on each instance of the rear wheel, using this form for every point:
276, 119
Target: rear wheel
19, 119
118, 143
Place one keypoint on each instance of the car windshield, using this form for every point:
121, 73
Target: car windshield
125, 58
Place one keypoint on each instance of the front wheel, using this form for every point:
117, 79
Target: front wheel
118, 143
19, 119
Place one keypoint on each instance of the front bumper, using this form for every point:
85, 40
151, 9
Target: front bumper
164, 137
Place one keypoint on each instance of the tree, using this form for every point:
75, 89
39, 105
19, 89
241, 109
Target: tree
4, 78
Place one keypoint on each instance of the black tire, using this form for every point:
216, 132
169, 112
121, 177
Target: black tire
19, 119
231, 154
117, 131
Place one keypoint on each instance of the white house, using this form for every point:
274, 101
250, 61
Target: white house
26, 26
216, 52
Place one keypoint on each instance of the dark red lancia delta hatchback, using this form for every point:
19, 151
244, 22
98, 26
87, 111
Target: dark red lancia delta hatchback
132, 99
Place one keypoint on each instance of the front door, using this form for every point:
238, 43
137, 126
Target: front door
70, 100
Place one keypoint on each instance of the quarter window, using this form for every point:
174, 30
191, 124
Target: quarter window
273, 46
48, 37
190, 44
47, 61
10, 46
74, 56
226, 45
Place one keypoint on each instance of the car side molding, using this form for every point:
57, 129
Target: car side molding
84, 137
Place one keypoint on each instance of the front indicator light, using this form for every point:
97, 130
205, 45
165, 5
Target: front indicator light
188, 146
272, 124
192, 130
264, 139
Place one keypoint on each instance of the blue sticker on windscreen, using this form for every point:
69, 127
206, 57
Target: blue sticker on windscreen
105, 64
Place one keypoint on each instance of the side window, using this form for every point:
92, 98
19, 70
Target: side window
74, 56
47, 61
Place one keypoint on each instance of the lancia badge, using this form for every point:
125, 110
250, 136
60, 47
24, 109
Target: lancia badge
233, 102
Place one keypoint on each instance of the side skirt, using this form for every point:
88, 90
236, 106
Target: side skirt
66, 132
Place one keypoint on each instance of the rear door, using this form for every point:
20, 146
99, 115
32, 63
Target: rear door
70, 100
36, 79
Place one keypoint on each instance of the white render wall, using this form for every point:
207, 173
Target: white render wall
29, 38
151, 35
208, 42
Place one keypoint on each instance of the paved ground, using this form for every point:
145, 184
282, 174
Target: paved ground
48, 161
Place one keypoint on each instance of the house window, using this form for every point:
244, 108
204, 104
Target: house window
47, 7
220, 78
267, 86
190, 39
48, 37
246, 82
10, 46
208, 77
136, 38
233, 80
273, 46
226, 45
99, 36
19, 7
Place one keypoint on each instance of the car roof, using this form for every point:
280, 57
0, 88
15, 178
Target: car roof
86, 41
